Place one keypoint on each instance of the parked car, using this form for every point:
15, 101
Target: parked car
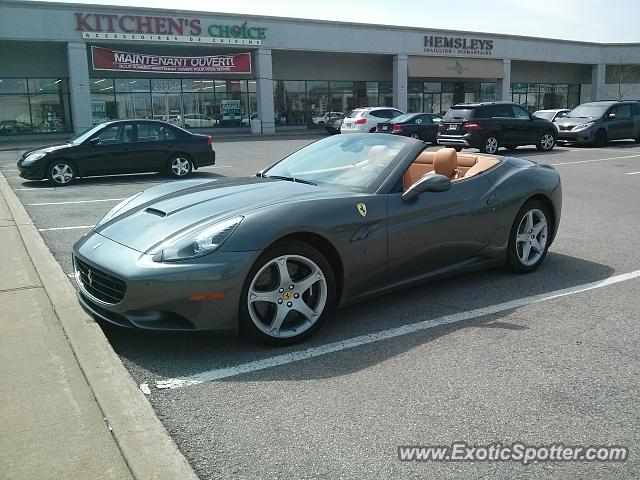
366, 119
196, 120
238, 253
323, 119
552, 115
120, 146
491, 125
596, 123
333, 125
422, 126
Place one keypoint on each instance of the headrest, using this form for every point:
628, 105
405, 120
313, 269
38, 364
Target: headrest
445, 162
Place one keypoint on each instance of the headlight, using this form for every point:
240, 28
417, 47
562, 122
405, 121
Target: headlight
114, 211
583, 126
197, 243
32, 158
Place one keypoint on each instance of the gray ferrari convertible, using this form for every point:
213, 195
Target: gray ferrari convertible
337, 221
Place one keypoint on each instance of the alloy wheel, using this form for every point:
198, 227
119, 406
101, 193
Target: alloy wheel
491, 145
531, 237
416, 136
547, 141
62, 173
287, 296
180, 166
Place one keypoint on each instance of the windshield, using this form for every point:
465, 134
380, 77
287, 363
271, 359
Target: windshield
86, 135
543, 114
357, 162
587, 111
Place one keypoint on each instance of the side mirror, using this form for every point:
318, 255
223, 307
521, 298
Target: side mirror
611, 116
94, 141
431, 182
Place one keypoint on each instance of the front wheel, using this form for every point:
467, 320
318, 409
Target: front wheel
546, 142
529, 237
287, 294
490, 144
61, 172
180, 166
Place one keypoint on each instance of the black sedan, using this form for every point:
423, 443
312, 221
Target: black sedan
121, 146
422, 126
340, 220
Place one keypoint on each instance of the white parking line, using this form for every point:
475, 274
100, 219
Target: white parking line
76, 201
633, 173
595, 160
65, 228
220, 373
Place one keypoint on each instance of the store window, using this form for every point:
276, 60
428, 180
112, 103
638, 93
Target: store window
385, 94
35, 105
539, 96
191, 103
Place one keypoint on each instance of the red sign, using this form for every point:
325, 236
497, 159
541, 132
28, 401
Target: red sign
115, 60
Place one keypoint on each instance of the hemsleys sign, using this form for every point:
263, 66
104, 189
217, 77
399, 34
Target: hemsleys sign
115, 60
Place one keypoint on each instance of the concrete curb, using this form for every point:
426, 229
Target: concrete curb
144, 442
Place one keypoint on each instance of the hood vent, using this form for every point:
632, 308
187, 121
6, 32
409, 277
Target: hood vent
155, 211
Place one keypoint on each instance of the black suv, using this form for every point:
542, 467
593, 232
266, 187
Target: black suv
491, 125
597, 122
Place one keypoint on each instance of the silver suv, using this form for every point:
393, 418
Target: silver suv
596, 123
366, 119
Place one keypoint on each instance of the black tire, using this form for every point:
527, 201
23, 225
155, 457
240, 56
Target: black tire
513, 262
600, 140
457, 148
372, 130
416, 136
546, 143
289, 248
187, 125
490, 144
61, 172
637, 139
179, 166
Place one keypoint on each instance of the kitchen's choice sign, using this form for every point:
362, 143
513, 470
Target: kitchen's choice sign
116, 60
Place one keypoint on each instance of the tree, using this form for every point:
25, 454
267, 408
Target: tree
622, 74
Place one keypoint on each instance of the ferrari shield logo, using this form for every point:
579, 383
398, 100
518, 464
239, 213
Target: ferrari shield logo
362, 209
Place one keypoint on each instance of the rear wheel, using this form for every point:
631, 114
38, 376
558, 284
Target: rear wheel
415, 135
180, 166
529, 237
546, 142
600, 139
372, 130
490, 144
287, 294
61, 172
637, 139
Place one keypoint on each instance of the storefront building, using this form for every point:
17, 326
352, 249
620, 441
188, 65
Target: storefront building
67, 67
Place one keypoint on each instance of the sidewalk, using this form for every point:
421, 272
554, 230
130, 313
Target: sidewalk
70, 410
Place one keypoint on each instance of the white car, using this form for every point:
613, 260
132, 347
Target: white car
321, 120
197, 120
366, 119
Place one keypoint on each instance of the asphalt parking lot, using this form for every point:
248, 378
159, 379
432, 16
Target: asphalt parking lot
553, 358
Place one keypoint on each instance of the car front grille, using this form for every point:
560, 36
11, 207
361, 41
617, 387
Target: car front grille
99, 284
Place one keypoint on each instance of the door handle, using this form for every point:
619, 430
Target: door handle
492, 200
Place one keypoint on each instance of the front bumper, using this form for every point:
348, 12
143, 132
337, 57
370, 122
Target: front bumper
578, 137
196, 294
35, 171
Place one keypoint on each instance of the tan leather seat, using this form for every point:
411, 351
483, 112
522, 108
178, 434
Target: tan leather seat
445, 162
465, 162
422, 165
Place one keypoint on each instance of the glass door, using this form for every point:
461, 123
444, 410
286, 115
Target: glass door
166, 99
